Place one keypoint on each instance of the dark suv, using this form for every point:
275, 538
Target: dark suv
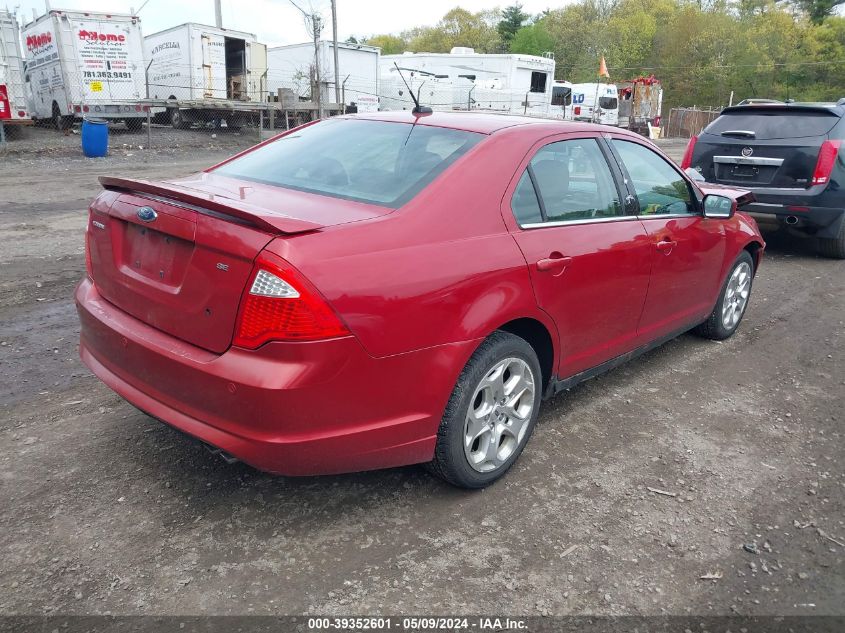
788, 156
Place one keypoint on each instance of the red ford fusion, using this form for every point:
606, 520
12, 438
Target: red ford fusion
378, 290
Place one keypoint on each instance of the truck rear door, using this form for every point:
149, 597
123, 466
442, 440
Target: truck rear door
257, 60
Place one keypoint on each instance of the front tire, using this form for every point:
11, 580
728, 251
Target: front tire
491, 413
833, 247
732, 302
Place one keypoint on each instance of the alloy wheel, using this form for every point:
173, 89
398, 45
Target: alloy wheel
499, 414
736, 295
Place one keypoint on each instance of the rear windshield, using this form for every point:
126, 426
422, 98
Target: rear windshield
608, 103
774, 124
370, 161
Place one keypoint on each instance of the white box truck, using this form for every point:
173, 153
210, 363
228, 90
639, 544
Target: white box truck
290, 67
85, 63
201, 72
513, 83
13, 107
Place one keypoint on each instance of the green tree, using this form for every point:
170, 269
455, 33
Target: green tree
389, 44
458, 27
513, 17
533, 39
819, 10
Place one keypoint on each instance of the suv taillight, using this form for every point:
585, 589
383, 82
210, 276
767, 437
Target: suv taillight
686, 161
824, 165
279, 304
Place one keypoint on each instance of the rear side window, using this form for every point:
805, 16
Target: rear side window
773, 124
571, 181
377, 162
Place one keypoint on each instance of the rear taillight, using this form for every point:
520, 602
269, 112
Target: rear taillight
827, 159
281, 305
686, 161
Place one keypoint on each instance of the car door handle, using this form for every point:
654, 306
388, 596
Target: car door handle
665, 246
555, 263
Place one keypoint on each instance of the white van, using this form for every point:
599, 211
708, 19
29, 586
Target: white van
596, 103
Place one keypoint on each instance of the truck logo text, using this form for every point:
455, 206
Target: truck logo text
42, 40
164, 46
93, 36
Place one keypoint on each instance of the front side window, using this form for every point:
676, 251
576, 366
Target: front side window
661, 190
378, 162
572, 181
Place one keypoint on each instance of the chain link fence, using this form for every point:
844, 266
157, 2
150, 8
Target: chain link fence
688, 122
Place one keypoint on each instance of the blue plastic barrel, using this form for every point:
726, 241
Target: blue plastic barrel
95, 137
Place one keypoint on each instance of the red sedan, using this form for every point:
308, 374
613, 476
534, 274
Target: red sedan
371, 291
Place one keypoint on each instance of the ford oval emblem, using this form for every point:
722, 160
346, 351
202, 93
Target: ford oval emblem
747, 151
147, 214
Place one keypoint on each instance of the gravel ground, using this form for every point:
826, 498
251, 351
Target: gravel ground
108, 511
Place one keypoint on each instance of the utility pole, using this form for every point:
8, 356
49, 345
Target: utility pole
218, 14
315, 28
336, 69
314, 22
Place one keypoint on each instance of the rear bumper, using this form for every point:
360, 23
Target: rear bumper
805, 209
287, 408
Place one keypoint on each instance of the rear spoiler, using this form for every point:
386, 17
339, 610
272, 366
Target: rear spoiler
779, 108
211, 204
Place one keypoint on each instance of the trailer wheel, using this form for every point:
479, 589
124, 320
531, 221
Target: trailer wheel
134, 125
177, 119
61, 123
234, 122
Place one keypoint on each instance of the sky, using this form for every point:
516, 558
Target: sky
278, 22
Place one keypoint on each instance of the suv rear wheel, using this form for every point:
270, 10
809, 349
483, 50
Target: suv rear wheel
834, 246
491, 413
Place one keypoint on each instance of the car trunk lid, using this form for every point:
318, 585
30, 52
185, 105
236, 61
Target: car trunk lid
764, 146
178, 257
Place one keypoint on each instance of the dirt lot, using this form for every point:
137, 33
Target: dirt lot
108, 511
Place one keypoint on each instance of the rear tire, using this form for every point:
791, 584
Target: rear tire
833, 247
134, 125
732, 303
491, 413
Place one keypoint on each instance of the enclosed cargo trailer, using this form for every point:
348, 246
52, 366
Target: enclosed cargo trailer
198, 72
81, 63
357, 75
13, 106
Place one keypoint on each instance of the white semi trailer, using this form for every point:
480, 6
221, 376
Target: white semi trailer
13, 107
85, 63
197, 72
358, 77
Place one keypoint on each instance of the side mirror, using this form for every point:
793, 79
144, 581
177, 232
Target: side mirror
718, 206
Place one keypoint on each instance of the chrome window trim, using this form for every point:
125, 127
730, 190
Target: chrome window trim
750, 160
661, 216
541, 225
